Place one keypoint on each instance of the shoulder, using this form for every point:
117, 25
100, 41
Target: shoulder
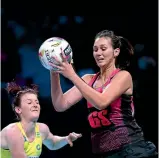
42, 126
88, 77
11, 131
124, 75
12, 127
44, 129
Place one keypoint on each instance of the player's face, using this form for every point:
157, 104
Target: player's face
103, 52
29, 108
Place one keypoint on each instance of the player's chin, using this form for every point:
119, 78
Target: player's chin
100, 64
35, 117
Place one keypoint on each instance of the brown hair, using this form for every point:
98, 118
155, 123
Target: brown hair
16, 92
126, 49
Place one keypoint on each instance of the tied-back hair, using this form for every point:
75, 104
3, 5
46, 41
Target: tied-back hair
126, 49
15, 92
13, 88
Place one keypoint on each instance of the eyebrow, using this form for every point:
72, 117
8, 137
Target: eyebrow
31, 100
101, 45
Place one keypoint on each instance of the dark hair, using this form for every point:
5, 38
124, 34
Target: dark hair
15, 91
126, 49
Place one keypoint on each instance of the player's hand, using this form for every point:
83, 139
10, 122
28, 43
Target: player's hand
63, 67
72, 137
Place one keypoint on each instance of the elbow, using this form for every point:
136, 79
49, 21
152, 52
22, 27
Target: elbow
59, 108
100, 102
102, 105
52, 148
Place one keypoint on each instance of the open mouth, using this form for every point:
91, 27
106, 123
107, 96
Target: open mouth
34, 110
99, 60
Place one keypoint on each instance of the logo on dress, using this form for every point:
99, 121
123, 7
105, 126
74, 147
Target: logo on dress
38, 134
38, 147
25, 139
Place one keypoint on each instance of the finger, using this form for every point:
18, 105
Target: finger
70, 142
63, 56
56, 60
71, 61
55, 66
74, 136
59, 72
77, 134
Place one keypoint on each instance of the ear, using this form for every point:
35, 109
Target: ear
116, 52
18, 110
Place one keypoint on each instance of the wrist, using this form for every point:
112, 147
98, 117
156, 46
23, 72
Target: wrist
66, 139
54, 73
73, 77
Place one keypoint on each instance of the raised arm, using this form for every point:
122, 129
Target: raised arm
62, 102
53, 142
121, 83
15, 142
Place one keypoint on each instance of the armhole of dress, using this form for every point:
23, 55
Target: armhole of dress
93, 79
21, 128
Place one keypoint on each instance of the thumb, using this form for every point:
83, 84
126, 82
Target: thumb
69, 142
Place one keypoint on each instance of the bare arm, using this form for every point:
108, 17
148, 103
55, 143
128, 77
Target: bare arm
119, 85
15, 143
53, 142
62, 102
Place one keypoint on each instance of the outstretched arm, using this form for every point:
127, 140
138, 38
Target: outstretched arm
53, 142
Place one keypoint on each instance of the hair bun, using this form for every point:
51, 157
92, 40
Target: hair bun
13, 88
31, 86
34, 87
